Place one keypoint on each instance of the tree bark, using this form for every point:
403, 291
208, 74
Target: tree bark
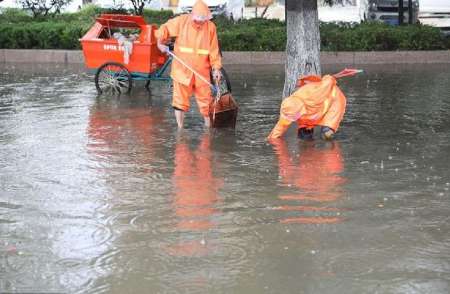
303, 42
410, 12
400, 12
264, 11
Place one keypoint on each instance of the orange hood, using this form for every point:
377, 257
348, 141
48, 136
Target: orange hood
200, 11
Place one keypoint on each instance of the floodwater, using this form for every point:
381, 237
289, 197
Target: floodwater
103, 195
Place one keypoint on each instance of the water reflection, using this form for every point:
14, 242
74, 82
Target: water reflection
195, 195
316, 174
118, 127
95, 193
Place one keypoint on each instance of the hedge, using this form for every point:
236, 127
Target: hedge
20, 31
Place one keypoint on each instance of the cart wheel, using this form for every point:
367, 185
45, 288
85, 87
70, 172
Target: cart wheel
225, 85
113, 77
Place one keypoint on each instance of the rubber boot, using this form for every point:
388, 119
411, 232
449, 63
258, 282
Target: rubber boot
305, 134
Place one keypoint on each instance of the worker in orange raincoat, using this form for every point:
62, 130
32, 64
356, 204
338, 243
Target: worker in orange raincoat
197, 45
317, 102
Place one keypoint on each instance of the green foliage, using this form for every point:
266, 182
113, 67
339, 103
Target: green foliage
43, 8
14, 15
42, 35
19, 30
157, 16
379, 37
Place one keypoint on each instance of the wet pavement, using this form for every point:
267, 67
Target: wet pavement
103, 195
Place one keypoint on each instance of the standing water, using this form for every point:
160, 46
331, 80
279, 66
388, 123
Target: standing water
103, 195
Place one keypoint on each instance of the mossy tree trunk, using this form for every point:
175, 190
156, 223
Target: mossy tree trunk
303, 42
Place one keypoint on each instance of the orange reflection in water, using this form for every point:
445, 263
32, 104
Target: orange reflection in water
109, 127
195, 194
317, 174
123, 134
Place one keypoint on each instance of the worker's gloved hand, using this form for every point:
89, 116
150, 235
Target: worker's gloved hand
163, 48
217, 75
327, 133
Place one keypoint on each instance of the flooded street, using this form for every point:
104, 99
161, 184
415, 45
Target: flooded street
103, 195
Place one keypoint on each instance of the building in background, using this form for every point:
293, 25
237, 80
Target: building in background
436, 13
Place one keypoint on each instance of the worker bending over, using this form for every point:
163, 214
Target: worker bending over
317, 101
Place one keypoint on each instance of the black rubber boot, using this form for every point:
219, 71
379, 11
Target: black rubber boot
305, 134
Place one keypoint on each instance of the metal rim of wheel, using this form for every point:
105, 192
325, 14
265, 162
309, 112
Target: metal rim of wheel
113, 78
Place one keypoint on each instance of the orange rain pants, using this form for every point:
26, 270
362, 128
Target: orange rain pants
318, 102
197, 46
182, 93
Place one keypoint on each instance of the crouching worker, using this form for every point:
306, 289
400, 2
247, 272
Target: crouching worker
318, 101
197, 46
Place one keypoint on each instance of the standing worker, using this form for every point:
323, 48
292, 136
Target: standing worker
196, 45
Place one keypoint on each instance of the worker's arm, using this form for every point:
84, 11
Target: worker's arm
280, 128
214, 53
168, 30
290, 111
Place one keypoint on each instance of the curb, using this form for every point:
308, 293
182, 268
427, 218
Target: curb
251, 58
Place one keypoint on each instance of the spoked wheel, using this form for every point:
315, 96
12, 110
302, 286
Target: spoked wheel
113, 78
224, 85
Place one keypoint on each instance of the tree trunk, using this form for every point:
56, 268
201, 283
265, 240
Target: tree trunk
400, 12
264, 11
303, 42
410, 12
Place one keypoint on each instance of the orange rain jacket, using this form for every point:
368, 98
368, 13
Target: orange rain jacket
195, 45
318, 101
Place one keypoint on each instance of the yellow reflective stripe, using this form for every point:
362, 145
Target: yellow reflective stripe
191, 50
186, 50
202, 51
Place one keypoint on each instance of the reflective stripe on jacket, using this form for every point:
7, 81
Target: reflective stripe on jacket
196, 45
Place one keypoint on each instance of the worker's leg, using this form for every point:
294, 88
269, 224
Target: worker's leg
305, 130
180, 101
331, 120
204, 98
179, 116
305, 133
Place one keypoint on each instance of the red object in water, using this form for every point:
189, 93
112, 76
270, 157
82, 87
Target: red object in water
223, 112
347, 72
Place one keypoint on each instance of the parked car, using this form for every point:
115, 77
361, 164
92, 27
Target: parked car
233, 9
387, 11
436, 13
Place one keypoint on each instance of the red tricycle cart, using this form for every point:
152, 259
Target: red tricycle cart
119, 59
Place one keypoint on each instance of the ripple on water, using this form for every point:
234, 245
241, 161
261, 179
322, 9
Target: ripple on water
78, 237
188, 284
75, 274
139, 259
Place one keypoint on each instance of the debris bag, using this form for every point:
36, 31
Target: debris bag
223, 112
